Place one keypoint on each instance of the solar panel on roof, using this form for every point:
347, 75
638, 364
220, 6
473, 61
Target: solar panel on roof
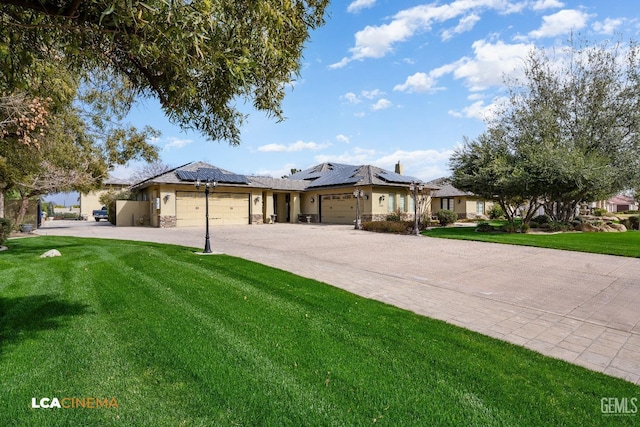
210, 174
395, 177
339, 176
186, 175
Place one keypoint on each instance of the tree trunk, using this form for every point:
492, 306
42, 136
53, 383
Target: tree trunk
2, 203
23, 210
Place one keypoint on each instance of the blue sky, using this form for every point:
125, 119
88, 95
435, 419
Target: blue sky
395, 80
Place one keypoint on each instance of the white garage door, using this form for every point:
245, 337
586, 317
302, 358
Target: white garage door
338, 208
224, 209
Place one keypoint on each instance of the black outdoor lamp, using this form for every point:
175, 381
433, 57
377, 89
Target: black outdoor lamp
357, 193
415, 188
207, 185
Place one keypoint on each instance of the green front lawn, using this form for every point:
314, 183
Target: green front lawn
180, 339
623, 244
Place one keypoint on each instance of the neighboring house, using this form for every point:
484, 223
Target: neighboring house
621, 203
91, 201
323, 193
464, 203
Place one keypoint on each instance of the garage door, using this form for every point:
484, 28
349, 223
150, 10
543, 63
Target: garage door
338, 208
224, 209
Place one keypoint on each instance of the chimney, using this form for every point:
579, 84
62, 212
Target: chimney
399, 168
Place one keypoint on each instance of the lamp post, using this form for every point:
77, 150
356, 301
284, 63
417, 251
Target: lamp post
357, 193
415, 188
207, 184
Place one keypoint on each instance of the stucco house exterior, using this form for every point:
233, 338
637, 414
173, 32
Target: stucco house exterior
91, 201
320, 194
465, 204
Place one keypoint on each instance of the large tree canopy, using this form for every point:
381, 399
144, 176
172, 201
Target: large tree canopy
79, 135
570, 132
197, 57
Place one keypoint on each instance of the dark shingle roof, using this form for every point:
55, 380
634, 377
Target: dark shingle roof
279, 183
187, 174
448, 190
319, 176
336, 174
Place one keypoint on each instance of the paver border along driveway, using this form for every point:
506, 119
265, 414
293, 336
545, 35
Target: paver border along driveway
579, 307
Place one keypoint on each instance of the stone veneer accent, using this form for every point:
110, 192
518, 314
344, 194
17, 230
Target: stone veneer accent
167, 221
257, 219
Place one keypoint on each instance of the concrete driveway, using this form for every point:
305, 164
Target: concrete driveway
582, 308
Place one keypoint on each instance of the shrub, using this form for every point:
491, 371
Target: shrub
524, 228
558, 226
599, 212
495, 212
627, 223
5, 229
542, 219
634, 221
387, 226
395, 216
509, 228
446, 217
484, 227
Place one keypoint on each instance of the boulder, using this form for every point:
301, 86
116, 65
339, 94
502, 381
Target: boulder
618, 227
51, 253
587, 228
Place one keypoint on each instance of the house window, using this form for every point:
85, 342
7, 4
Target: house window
392, 202
480, 208
402, 206
447, 203
411, 205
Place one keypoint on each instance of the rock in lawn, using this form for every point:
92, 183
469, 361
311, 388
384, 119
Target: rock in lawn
51, 253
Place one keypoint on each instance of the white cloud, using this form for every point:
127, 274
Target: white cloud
295, 146
377, 41
351, 97
382, 104
491, 63
547, 4
560, 23
358, 5
419, 82
465, 24
608, 27
277, 173
370, 94
177, 143
423, 164
343, 138
479, 110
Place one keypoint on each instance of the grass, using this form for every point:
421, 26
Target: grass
180, 339
622, 244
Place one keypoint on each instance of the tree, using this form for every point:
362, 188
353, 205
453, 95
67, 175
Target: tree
569, 134
197, 57
77, 146
489, 168
149, 170
293, 171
